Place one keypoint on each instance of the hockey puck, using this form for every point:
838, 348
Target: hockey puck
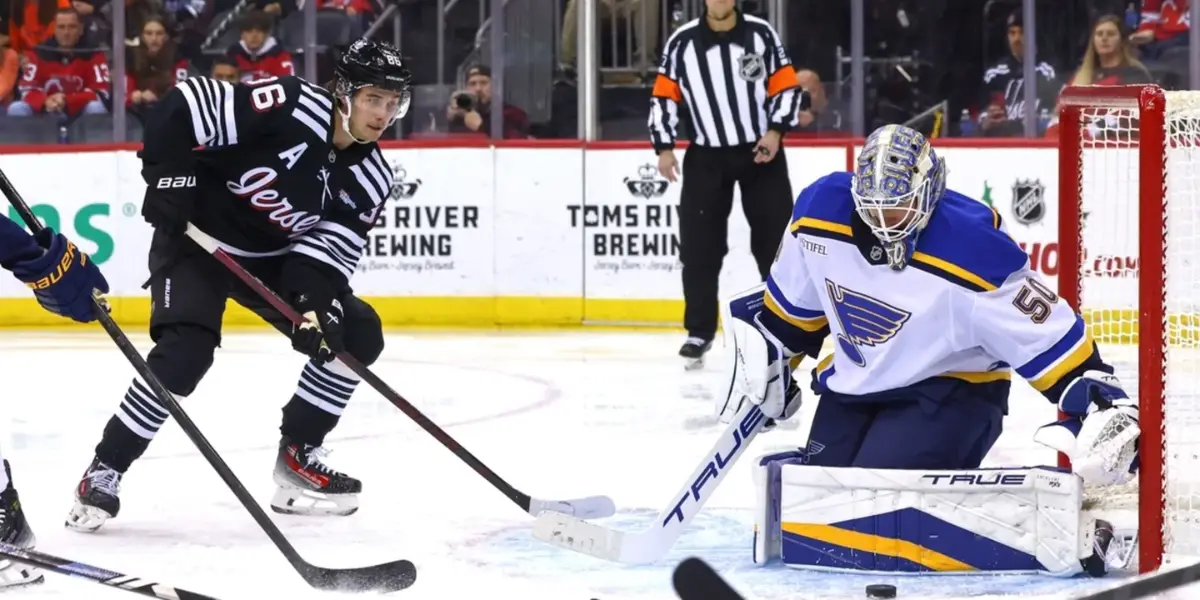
881, 590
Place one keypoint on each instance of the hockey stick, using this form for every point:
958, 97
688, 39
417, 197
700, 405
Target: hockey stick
591, 507
1151, 584
120, 581
653, 543
385, 577
694, 579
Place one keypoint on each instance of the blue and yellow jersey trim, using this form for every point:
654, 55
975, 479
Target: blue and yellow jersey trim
1048, 368
823, 209
965, 245
825, 369
806, 319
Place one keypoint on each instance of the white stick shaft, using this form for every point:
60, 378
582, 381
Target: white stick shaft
652, 544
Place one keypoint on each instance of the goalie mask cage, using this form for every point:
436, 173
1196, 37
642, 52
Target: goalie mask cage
1129, 245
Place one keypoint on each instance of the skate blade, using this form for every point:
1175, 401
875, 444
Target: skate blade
307, 503
86, 519
14, 574
693, 364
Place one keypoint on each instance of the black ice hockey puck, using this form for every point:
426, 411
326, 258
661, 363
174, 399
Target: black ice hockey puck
881, 590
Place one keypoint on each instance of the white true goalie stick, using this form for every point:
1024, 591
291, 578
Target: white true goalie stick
649, 545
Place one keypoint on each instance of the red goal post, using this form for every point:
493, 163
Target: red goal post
1113, 201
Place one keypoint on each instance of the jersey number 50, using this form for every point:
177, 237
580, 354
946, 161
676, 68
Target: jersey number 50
1035, 300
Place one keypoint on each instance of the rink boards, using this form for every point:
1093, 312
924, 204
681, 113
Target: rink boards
527, 233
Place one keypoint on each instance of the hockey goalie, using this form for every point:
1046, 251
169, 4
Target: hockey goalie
930, 308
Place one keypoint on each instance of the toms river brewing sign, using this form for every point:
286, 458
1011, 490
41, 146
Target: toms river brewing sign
635, 227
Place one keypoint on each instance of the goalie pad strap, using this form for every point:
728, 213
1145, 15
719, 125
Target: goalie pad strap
1026, 520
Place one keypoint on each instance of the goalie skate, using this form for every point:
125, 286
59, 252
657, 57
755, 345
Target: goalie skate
96, 499
15, 531
307, 486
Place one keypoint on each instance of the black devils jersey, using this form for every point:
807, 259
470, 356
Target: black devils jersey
269, 180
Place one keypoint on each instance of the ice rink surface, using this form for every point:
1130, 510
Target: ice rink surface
559, 414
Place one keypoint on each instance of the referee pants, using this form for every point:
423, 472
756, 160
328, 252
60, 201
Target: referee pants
706, 200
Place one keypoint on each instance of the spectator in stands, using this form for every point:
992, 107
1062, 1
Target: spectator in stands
224, 69
635, 12
154, 66
137, 12
470, 110
31, 22
188, 20
1003, 99
811, 120
1164, 25
355, 10
259, 55
1109, 59
10, 70
61, 77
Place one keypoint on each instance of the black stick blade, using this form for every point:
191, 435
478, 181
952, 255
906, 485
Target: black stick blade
387, 577
695, 580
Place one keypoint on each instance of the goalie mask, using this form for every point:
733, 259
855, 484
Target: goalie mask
898, 181
365, 64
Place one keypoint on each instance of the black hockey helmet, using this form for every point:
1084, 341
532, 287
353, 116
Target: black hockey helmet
369, 63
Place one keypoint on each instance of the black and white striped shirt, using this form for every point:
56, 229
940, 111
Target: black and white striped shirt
270, 181
736, 84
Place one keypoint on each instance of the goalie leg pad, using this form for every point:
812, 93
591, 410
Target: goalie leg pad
1027, 520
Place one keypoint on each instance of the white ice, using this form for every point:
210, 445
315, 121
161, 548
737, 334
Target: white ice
558, 414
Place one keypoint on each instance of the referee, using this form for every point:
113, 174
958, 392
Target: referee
740, 89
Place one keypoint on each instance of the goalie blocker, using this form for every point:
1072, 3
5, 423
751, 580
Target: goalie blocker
1023, 520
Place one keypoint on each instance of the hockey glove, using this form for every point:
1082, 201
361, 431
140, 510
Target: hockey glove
314, 296
170, 196
1100, 433
759, 368
62, 277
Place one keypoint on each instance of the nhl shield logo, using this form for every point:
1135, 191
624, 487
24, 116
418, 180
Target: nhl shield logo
752, 67
648, 183
1028, 201
403, 188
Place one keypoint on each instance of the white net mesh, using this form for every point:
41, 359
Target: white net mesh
1110, 229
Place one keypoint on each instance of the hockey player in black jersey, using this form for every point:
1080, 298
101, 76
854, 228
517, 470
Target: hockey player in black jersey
63, 280
288, 177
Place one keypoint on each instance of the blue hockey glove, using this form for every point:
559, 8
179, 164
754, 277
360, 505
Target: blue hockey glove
759, 368
314, 296
63, 278
1100, 433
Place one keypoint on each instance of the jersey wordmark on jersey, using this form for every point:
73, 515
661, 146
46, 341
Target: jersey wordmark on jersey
270, 179
968, 307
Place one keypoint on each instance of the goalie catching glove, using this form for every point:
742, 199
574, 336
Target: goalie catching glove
758, 367
1100, 433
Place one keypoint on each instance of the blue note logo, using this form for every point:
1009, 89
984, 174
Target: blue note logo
865, 321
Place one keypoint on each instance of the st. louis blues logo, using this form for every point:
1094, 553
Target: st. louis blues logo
865, 321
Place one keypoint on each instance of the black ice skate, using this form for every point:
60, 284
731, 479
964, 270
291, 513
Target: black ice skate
15, 531
96, 498
693, 351
308, 486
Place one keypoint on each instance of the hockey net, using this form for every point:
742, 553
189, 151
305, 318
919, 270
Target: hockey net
1129, 239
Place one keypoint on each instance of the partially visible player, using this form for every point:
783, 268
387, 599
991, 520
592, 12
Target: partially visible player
931, 307
289, 179
63, 280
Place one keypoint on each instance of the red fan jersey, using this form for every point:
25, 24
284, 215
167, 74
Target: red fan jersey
270, 61
80, 76
179, 72
1166, 18
359, 6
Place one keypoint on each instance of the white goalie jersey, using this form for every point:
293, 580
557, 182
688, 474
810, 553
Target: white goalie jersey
968, 306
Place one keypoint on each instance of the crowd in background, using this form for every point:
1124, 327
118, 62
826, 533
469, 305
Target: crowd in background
55, 59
